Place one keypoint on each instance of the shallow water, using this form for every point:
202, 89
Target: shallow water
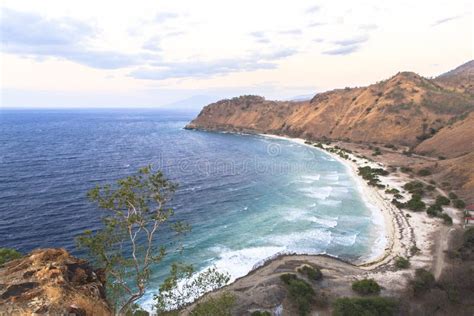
246, 197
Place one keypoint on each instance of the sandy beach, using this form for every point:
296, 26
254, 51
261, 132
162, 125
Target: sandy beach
403, 230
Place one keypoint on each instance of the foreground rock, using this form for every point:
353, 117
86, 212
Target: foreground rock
51, 282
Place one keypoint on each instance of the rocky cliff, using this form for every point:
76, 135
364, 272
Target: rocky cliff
51, 282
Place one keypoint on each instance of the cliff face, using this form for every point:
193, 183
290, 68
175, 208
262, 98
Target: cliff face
52, 282
432, 116
402, 110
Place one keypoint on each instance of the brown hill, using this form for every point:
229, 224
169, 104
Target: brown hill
452, 140
460, 79
402, 110
431, 116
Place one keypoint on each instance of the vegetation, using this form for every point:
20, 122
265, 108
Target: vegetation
452, 196
182, 287
442, 200
415, 203
259, 313
434, 210
447, 219
424, 172
366, 287
414, 250
423, 281
392, 191
371, 175
312, 273
459, 204
8, 254
300, 293
135, 209
365, 306
402, 263
406, 169
414, 187
220, 305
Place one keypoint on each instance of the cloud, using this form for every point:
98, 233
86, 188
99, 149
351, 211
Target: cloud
173, 70
442, 21
352, 41
368, 27
316, 24
291, 32
163, 16
153, 44
343, 50
260, 37
313, 9
347, 46
34, 36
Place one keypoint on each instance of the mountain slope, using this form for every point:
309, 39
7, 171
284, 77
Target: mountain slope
402, 110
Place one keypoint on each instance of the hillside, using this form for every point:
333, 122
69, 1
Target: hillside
430, 116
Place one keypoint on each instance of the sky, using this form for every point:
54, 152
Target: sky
189, 53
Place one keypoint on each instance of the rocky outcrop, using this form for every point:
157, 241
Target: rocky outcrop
51, 282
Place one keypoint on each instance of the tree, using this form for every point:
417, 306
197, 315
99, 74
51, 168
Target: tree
135, 209
183, 286
8, 254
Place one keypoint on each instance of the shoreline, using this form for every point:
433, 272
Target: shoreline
371, 197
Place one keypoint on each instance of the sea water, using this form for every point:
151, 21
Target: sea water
247, 197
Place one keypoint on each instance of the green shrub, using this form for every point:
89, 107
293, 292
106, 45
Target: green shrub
442, 200
423, 281
220, 305
430, 187
402, 263
452, 196
311, 273
414, 250
7, 254
415, 203
365, 306
459, 204
447, 219
414, 187
424, 172
366, 287
301, 293
392, 191
434, 210
406, 169
260, 313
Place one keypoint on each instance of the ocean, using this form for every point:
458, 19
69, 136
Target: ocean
247, 197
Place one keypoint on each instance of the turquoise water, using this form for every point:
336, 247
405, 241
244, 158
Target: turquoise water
246, 197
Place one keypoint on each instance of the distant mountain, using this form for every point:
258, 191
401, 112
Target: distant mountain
459, 79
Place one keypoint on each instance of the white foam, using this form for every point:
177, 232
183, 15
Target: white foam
239, 262
330, 202
345, 240
331, 223
320, 193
